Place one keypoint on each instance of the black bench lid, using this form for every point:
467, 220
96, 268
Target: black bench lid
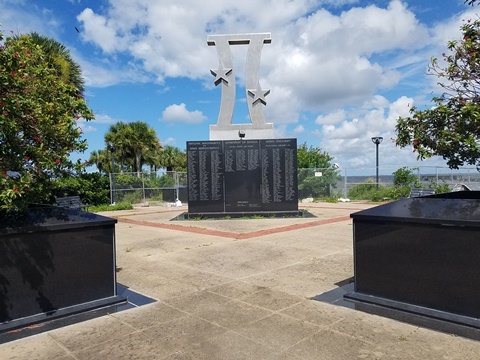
460, 209
50, 218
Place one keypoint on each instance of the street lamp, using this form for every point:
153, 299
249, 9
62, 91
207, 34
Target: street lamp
377, 141
111, 148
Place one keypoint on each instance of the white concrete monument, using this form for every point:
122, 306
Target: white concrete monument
225, 74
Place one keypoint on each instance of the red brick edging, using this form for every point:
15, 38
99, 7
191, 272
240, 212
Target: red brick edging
235, 235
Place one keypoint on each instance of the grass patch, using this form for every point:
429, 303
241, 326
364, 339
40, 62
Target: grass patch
106, 207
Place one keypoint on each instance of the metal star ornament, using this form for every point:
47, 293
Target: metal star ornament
259, 95
221, 75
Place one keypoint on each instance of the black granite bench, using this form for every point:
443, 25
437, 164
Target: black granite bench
71, 202
416, 192
421, 255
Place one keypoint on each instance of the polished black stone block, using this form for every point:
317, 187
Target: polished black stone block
52, 260
242, 176
421, 255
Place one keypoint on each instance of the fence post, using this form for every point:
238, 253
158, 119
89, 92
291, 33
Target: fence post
143, 188
111, 189
176, 186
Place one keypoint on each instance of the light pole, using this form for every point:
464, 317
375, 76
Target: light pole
377, 140
111, 148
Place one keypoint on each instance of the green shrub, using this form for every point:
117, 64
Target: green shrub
362, 191
332, 200
440, 188
93, 188
131, 197
398, 192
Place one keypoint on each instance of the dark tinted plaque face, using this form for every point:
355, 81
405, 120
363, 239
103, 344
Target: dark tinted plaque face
279, 174
242, 175
205, 167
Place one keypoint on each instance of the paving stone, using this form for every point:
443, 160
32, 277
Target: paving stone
236, 289
272, 299
277, 331
155, 342
40, 347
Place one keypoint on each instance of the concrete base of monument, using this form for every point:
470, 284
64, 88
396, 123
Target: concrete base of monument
237, 215
230, 132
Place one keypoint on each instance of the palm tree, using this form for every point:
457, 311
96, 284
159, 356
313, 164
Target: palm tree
133, 143
60, 58
153, 158
118, 135
101, 160
173, 159
142, 140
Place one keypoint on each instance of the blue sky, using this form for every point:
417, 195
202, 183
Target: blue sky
339, 71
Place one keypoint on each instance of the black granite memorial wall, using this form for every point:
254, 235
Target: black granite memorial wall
242, 176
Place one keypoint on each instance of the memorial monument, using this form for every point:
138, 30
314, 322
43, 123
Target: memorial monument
225, 75
242, 169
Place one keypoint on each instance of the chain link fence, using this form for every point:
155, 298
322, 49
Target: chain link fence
148, 188
166, 187
427, 176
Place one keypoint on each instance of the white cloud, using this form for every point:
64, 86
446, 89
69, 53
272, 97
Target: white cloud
104, 119
15, 18
333, 118
179, 113
85, 126
299, 129
101, 30
349, 141
150, 32
169, 141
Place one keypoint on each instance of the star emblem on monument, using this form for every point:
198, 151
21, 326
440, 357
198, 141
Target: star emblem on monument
259, 95
221, 75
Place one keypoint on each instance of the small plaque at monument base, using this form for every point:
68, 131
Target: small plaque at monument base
230, 132
242, 176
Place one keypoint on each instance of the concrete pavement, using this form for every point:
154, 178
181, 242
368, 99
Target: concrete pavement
238, 289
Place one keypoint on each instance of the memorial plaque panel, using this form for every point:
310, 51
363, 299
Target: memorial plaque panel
205, 167
242, 176
279, 174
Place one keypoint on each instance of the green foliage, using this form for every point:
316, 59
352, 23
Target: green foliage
173, 159
93, 188
451, 128
105, 207
310, 157
363, 191
405, 177
39, 110
130, 197
133, 143
309, 161
440, 188
398, 192
332, 200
